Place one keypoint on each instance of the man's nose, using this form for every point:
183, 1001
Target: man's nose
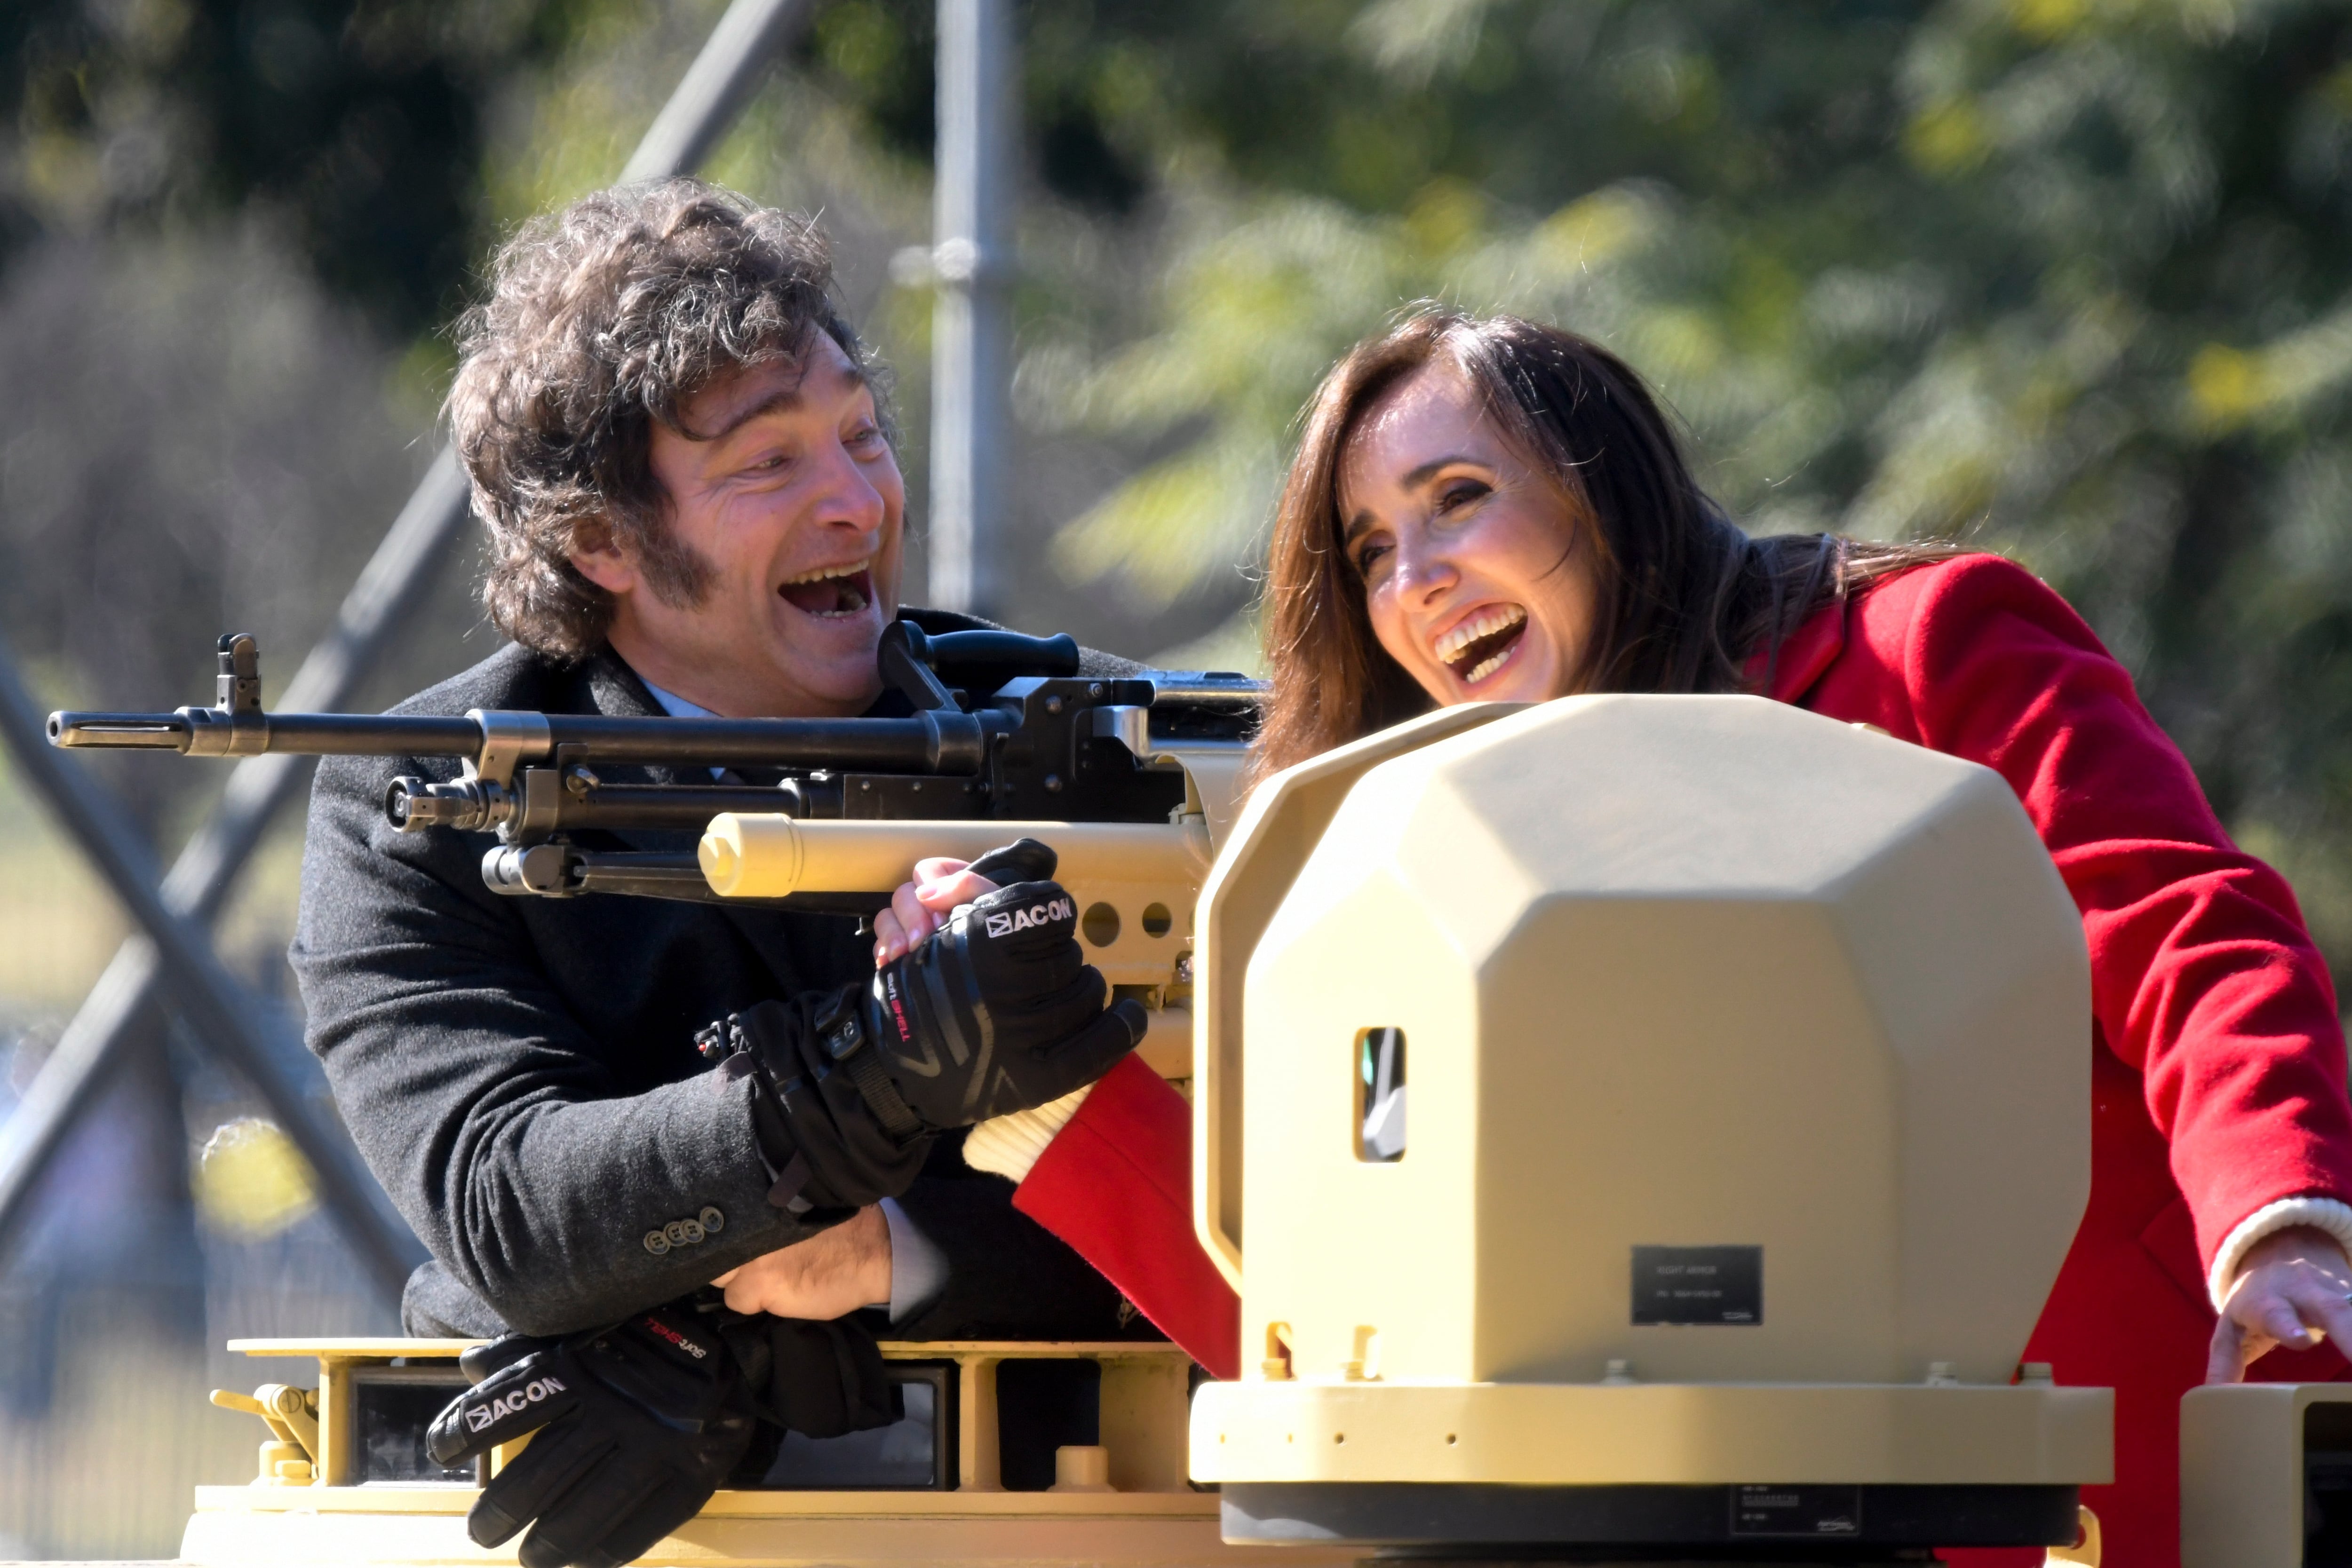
849, 496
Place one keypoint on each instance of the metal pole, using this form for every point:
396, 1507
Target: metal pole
971, 263
235, 1024
715, 88
713, 91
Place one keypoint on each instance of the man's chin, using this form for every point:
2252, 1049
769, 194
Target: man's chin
835, 661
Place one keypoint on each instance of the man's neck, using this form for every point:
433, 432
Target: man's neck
718, 690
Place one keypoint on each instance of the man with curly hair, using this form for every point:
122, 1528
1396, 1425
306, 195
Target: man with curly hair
687, 475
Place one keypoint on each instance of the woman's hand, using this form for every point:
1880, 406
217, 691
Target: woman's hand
919, 906
830, 1275
2294, 1289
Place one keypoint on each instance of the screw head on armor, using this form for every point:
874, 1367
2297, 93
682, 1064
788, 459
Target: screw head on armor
998, 1012
635, 1426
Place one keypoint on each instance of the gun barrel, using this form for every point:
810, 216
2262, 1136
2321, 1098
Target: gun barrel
926, 743
775, 856
370, 735
214, 732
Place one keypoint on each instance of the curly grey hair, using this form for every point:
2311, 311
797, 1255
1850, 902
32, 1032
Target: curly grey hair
601, 319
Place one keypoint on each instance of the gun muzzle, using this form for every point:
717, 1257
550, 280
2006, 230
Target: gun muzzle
120, 731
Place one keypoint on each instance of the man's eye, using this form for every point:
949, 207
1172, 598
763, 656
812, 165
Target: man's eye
865, 436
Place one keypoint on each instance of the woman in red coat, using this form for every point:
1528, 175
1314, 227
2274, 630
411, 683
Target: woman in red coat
1492, 509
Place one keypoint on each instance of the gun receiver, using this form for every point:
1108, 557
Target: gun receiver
1132, 780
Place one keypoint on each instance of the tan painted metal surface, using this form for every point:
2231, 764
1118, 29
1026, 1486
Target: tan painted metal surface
1671, 972
1700, 1434
1147, 1514
2243, 1454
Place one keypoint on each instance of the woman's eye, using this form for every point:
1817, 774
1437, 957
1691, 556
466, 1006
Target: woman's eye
1366, 556
1455, 497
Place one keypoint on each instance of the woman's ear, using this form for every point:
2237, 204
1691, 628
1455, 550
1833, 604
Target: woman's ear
600, 559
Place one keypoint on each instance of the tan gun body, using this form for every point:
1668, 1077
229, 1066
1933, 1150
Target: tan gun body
1135, 884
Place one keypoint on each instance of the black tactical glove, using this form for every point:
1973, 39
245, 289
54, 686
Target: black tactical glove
636, 1427
823, 1379
829, 1152
997, 1011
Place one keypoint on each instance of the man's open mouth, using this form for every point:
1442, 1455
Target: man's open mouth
832, 593
1483, 642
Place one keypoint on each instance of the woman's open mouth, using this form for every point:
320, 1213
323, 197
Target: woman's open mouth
832, 593
1483, 642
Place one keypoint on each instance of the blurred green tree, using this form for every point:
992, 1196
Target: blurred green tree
361, 124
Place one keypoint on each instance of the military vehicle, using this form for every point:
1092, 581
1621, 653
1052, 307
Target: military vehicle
1749, 1129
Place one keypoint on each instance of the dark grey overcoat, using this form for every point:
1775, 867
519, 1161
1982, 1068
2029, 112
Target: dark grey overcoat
520, 1074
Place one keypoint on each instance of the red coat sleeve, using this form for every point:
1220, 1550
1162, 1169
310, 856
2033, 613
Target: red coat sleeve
2203, 976
1117, 1185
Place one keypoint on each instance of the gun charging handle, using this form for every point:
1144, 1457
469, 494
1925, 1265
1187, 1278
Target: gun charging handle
468, 805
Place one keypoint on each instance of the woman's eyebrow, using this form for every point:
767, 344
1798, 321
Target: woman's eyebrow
1429, 470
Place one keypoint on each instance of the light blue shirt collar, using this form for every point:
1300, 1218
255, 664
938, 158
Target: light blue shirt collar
675, 705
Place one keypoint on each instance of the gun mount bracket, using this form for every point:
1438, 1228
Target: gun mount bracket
509, 739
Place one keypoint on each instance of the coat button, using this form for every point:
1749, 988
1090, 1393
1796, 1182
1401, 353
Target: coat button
656, 1243
712, 1221
692, 1230
675, 1232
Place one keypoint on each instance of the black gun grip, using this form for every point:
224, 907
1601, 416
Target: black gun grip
1023, 860
979, 661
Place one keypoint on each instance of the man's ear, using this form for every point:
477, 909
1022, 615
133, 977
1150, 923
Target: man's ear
600, 559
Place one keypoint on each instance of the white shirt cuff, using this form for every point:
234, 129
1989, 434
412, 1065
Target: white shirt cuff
919, 1270
2321, 1213
1010, 1145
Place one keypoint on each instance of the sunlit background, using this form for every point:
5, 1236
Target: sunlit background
2070, 278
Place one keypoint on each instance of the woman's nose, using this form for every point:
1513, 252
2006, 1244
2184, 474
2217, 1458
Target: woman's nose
1425, 570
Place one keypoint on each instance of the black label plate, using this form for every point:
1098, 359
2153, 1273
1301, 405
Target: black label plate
1818, 1513
1698, 1285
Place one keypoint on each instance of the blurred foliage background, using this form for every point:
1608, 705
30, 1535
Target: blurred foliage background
2069, 278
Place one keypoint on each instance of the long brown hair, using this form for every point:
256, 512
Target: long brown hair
1686, 598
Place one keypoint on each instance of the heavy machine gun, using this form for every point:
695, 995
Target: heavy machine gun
1131, 779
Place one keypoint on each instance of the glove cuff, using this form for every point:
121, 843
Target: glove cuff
851, 1035
1010, 1145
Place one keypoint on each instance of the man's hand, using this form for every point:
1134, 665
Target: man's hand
2293, 1289
634, 1430
919, 906
831, 1274
998, 1010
